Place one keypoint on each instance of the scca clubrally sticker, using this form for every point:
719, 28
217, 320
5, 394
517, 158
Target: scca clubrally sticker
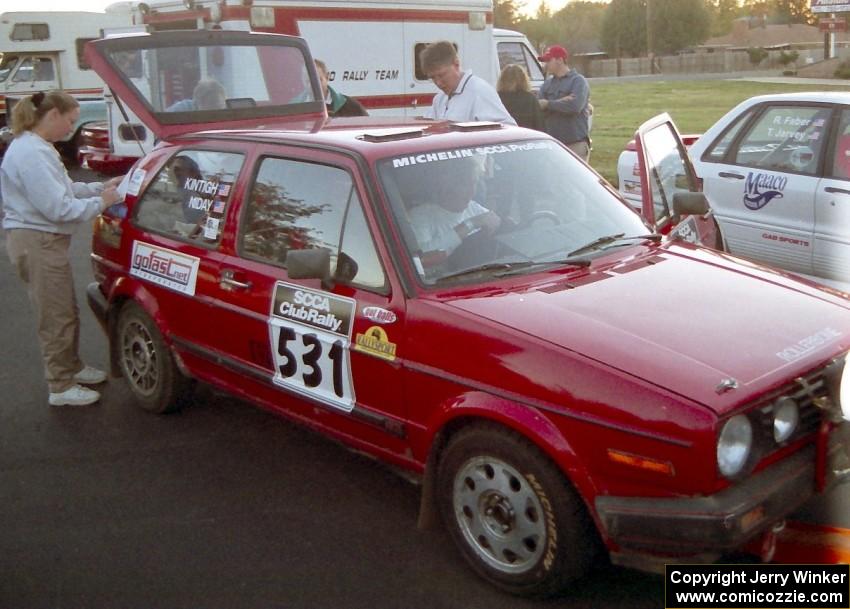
310, 333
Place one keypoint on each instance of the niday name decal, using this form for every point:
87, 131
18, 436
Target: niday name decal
762, 188
164, 267
808, 344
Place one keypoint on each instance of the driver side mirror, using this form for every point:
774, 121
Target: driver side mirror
316, 264
690, 204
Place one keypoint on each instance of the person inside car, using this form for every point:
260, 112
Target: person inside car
209, 94
441, 226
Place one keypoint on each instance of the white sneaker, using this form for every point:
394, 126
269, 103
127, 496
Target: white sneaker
90, 376
75, 396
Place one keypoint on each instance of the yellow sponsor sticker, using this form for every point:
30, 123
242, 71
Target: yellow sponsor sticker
374, 342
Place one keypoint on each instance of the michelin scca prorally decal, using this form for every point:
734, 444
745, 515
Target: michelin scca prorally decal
164, 267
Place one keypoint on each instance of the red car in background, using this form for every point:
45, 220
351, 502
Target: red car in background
469, 303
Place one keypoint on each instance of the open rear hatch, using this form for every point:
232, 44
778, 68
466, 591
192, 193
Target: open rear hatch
184, 81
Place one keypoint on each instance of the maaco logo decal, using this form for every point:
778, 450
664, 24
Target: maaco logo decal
762, 188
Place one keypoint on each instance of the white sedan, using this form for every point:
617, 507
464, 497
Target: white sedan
776, 171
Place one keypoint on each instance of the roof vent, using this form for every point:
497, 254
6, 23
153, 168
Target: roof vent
475, 126
391, 135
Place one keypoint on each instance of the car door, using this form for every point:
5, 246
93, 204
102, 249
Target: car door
321, 349
831, 255
763, 187
664, 171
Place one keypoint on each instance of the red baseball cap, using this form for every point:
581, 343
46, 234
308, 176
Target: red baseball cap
555, 52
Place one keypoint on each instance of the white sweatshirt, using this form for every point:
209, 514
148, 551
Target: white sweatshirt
38, 193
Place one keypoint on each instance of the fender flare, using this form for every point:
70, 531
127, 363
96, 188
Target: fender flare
478, 407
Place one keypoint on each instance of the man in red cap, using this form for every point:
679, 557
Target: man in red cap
564, 98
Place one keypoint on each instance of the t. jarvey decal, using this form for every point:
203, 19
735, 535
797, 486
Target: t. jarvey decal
164, 267
374, 341
310, 334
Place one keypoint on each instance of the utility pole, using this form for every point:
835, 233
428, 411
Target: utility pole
650, 37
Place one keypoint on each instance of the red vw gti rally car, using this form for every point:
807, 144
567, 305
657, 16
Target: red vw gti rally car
469, 303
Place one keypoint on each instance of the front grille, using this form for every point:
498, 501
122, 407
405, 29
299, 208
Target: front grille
803, 390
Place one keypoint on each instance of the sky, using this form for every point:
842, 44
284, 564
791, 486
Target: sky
99, 5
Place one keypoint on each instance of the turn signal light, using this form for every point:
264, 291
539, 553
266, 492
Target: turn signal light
646, 463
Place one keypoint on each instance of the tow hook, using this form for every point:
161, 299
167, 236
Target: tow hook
768, 542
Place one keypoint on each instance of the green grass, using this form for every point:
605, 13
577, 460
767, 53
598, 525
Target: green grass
620, 108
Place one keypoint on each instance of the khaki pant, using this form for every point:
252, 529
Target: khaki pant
582, 149
41, 261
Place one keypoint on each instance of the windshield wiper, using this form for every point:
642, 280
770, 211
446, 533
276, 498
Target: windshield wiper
561, 261
490, 266
600, 242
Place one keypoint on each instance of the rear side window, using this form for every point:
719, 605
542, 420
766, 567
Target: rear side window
297, 205
189, 197
785, 138
717, 152
30, 31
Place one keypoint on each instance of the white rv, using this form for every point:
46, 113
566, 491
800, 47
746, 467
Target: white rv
370, 47
42, 51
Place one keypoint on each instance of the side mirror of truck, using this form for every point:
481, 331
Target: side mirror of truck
690, 204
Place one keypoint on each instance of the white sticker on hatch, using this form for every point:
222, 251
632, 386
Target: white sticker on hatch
165, 267
134, 184
310, 333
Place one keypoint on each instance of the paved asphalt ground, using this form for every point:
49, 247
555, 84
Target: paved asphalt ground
219, 506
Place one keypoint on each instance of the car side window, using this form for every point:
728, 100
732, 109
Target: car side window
188, 198
841, 153
785, 138
298, 205
717, 151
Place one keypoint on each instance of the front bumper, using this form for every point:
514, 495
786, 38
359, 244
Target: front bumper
715, 524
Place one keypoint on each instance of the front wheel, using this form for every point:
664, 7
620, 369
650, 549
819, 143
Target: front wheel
147, 363
513, 515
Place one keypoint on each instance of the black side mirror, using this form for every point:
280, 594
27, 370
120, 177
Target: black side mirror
309, 264
690, 204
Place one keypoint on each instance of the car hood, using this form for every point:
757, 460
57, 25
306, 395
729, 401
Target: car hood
685, 325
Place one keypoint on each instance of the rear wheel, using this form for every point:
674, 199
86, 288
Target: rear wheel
514, 517
147, 363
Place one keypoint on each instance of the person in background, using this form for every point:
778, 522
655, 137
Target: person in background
515, 93
337, 103
564, 99
208, 94
462, 96
43, 207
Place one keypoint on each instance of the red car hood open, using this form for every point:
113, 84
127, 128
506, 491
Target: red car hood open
682, 325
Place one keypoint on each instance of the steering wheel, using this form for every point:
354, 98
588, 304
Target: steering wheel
477, 248
543, 214
801, 158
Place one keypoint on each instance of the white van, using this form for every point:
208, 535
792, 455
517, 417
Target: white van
370, 47
42, 51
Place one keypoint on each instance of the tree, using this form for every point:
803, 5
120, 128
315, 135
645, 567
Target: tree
506, 13
723, 13
578, 26
678, 24
792, 11
624, 28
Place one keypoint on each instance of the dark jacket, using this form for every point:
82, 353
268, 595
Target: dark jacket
342, 105
567, 121
525, 109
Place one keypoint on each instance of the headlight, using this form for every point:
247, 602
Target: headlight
786, 417
734, 445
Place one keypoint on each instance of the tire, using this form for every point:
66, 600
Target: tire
514, 517
147, 364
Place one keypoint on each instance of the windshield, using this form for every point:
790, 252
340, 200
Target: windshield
188, 84
7, 64
504, 208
